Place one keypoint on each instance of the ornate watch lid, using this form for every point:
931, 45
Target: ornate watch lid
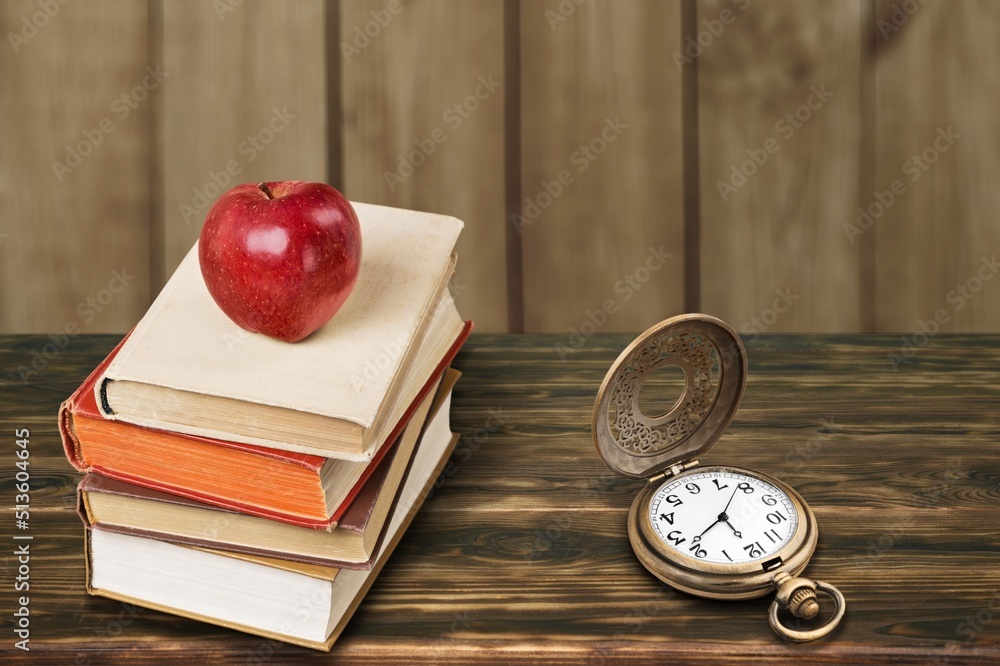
714, 362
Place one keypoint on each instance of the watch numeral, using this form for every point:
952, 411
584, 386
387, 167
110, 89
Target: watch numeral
669, 517
693, 488
678, 540
698, 551
673, 500
769, 500
754, 549
727, 555
775, 538
776, 517
717, 486
745, 487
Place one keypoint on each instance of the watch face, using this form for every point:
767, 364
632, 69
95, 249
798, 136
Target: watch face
723, 516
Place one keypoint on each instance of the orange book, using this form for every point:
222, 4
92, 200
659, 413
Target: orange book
296, 488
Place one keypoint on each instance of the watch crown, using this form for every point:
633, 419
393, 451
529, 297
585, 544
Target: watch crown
798, 595
803, 604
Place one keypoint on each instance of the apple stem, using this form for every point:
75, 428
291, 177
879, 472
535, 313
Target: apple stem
266, 190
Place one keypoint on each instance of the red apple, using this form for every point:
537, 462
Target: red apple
281, 258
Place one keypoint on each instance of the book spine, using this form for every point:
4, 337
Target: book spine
67, 433
70, 441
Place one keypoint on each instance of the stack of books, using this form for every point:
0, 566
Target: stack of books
261, 485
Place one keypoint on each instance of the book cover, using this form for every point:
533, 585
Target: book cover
351, 586
112, 505
342, 380
297, 499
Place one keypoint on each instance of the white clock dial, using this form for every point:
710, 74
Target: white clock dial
723, 516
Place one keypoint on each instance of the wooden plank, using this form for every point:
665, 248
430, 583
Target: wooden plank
512, 163
521, 555
74, 207
936, 136
601, 108
416, 135
248, 97
779, 229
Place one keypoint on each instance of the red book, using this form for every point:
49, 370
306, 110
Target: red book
296, 488
124, 508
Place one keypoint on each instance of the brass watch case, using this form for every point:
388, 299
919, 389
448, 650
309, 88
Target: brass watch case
746, 580
661, 448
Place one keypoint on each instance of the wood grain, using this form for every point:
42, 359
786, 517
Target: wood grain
417, 136
521, 554
247, 96
779, 228
65, 229
583, 72
934, 237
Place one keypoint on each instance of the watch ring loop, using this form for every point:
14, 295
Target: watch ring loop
812, 634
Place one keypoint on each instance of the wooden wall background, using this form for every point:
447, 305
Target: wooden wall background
348, 107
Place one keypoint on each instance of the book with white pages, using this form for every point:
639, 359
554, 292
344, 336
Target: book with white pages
301, 604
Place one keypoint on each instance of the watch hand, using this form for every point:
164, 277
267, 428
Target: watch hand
723, 517
730, 501
708, 528
739, 535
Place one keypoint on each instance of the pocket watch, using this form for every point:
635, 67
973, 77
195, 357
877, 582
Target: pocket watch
720, 531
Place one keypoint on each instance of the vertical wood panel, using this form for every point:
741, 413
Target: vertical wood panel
936, 70
512, 163
239, 72
405, 66
868, 156
62, 236
781, 229
581, 70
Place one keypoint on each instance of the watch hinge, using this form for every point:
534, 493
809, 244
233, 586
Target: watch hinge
674, 470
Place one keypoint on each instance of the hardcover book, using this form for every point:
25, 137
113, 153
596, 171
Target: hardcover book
187, 368
247, 593
296, 488
114, 506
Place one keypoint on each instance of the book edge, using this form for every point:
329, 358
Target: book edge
390, 546
344, 620
326, 524
92, 483
67, 431
441, 285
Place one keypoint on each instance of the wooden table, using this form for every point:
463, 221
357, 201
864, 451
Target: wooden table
521, 554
